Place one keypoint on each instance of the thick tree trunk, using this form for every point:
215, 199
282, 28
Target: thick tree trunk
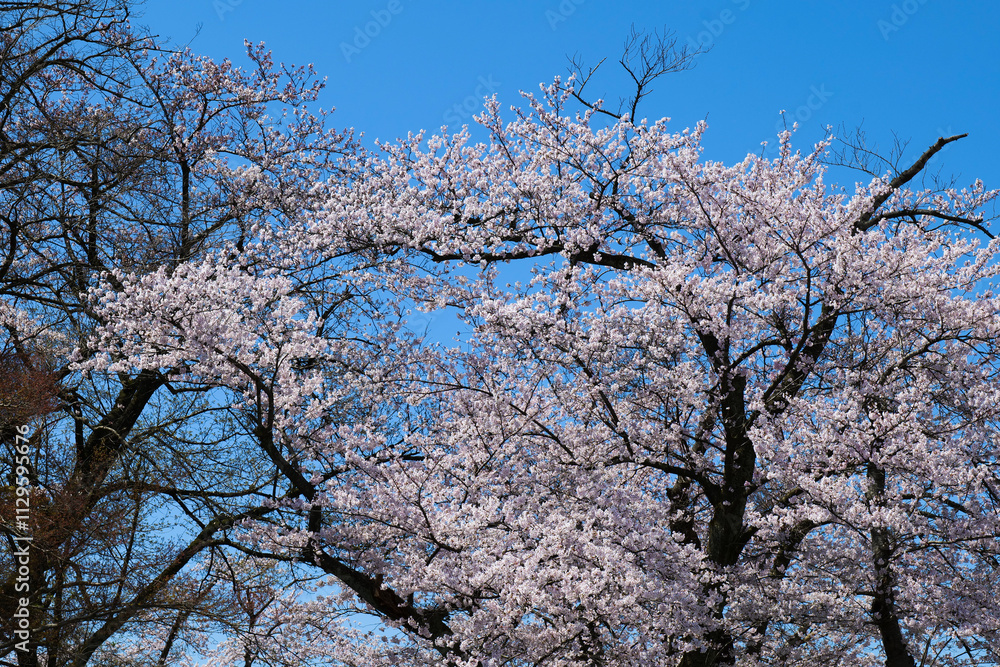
883, 603
727, 534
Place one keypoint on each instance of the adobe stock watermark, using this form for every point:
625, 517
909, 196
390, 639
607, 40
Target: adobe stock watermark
363, 35
562, 13
223, 7
898, 17
419, 321
461, 112
21, 554
715, 27
942, 132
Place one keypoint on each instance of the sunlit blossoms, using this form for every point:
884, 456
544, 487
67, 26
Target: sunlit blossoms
702, 414
695, 413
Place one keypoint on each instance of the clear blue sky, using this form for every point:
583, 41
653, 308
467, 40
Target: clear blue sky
918, 68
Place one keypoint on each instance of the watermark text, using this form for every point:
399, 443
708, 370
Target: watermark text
22, 540
363, 35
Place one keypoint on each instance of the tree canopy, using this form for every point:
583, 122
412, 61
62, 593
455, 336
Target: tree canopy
701, 414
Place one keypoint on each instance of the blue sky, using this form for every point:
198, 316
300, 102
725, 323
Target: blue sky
916, 68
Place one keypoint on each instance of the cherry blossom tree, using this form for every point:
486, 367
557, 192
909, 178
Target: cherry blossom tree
729, 414
118, 154
703, 414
